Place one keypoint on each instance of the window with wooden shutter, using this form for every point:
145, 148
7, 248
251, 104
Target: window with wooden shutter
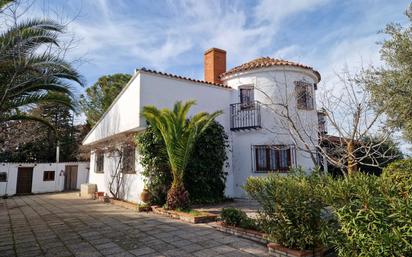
246, 96
269, 158
304, 95
48, 175
99, 162
128, 160
3, 176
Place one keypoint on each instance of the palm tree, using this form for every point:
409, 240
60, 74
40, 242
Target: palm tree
179, 134
31, 74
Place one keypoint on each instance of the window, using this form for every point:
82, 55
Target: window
304, 95
322, 122
272, 157
128, 160
48, 175
99, 162
3, 176
246, 96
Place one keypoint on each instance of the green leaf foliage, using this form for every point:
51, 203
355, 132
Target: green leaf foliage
32, 71
101, 95
374, 213
238, 218
179, 134
291, 208
204, 178
391, 85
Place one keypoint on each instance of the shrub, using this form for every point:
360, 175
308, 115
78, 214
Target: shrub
291, 208
238, 218
233, 216
374, 213
156, 172
204, 178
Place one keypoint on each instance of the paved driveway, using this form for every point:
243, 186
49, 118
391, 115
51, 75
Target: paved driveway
64, 225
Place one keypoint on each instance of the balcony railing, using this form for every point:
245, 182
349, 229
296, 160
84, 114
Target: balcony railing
245, 116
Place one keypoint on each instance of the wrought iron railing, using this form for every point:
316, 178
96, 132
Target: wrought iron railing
245, 115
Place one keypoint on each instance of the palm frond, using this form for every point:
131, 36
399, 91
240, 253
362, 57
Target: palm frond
178, 132
27, 117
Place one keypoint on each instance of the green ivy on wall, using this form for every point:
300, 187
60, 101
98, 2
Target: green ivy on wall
205, 176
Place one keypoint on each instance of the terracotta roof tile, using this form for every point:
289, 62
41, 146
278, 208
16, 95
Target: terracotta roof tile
181, 77
264, 62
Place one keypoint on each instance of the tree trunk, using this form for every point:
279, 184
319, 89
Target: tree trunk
177, 196
352, 164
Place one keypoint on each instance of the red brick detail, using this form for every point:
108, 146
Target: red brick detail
279, 250
253, 235
265, 62
181, 77
214, 65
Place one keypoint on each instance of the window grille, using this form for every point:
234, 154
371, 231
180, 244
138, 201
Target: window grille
128, 160
304, 95
99, 162
270, 158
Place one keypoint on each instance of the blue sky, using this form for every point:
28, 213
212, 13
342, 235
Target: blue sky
120, 35
112, 36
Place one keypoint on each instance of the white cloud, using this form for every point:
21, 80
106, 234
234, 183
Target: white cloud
159, 43
274, 11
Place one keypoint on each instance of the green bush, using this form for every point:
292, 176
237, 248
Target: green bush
291, 208
204, 178
374, 213
233, 216
238, 218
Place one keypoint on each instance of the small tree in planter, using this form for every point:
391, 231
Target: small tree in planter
291, 212
179, 135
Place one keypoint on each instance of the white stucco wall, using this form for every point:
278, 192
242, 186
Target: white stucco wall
162, 91
271, 86
122, 116
38, 185
133, 183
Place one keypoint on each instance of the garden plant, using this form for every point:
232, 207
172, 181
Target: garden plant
179, 135
205, 174
291, 208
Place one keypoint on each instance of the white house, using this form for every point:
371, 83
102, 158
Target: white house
27, 178
261, 100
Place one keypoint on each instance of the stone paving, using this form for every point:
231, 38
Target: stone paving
249, 206
64, 225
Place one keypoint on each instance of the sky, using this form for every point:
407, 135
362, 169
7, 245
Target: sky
171, 35
112, 36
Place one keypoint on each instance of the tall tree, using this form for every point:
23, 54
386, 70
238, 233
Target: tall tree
100, 96
29, 141
391, 85
30, 72
179, 135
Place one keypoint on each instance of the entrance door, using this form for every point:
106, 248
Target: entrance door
24, 180
70, 179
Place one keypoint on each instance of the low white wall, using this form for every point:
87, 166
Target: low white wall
38, 185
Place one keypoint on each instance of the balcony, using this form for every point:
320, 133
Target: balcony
245, 116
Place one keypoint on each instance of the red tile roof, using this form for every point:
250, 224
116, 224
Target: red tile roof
181, 77
264, 62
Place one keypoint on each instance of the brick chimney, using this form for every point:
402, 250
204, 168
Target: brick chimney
215, 64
